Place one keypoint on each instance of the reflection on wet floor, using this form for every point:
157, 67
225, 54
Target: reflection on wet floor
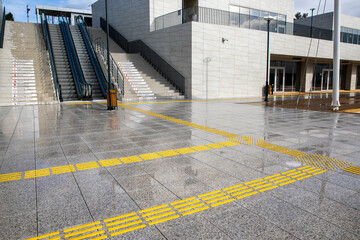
251, 190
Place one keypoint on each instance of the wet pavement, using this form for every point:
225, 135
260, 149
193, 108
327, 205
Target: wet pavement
350, 102
178, 170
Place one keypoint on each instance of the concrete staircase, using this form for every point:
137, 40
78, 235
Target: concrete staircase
143, 82
86, 63
25, 76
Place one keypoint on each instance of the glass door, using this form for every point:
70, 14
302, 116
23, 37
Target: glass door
277, 79
326, 80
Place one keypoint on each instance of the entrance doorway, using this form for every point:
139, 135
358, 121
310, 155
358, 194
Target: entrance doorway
326, 79
277, 79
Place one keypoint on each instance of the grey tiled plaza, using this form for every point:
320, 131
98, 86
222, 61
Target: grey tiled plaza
178, 170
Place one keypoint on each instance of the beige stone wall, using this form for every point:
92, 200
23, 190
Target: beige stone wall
238, 66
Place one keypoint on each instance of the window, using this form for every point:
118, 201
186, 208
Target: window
255, 19
244, 17
358, 78
234, 16
350, 35
356, 36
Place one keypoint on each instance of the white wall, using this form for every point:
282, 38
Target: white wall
130, 17
299, 46
174, 45
238, 66
161, 7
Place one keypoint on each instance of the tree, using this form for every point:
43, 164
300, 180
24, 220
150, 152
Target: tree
298, 15
9, 17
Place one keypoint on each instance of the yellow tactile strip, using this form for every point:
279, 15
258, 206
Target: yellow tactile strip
352, 169
323, 162
212, 130
246, 140
110, 162
136, 220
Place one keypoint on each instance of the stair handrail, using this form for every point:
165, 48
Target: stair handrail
83, 89
104, 83
2, 29
115, 71
151, 56
48, 44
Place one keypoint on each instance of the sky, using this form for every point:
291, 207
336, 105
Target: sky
18, 7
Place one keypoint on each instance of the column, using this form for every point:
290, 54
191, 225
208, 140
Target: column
351, 75
307, 79
37, 16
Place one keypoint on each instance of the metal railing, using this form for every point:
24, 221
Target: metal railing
138, 46
240, 20
104, 84
84, 90
2, 28
116, 73
45, 27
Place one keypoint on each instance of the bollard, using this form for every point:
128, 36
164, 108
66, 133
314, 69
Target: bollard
111, 99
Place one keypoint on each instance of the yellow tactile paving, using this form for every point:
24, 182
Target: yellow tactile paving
356, 110
352, 169
131, 159
229, 143
266, 145
184, 150
109, 162
86, 166
150, 156
246, 140
215, 145
201, 148
63, 169
166, 212
193, 125
37, 173
323, 162
169, 153
53, 235
10, 177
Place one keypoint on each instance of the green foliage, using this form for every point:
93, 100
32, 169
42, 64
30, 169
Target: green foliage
300, 15
9, 17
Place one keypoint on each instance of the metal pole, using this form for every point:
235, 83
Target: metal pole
312, 17
207, 79
336, 68
268, 61
27, 12
108, 55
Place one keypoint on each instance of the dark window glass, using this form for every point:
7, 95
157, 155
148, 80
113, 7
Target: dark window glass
358, 78
355, 39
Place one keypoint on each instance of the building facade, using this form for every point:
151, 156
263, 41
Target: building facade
220, 47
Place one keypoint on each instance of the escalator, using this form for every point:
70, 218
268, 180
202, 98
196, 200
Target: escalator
62, 65
85, 62
75, 68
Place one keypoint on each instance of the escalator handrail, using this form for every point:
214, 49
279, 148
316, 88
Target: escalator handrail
84, 89
94, 59
2, 29
48, 45
114, 68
